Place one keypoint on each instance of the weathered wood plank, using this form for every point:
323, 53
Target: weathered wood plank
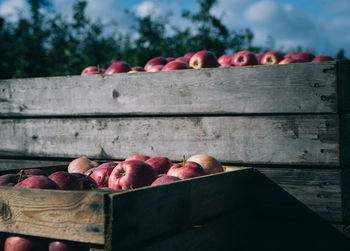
344, 85
293, 139
345, 182
345, 139
13, 164
319, 189
175, 206
294, 88
68, 215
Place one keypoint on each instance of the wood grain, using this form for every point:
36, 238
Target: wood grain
15, 164
310, 140
68, 215
175, 206
344, 85
345, 140
318, 189
294, 88
345, 181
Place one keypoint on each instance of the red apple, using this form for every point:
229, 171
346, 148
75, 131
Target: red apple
244, 58
305, 55
209, 164
38, 182
10, 179
131, 174
186, 170
155, 68
155, 61
34, 171
85, 181
81, 165
23, 243
66, 246
292, 61
189, 54
164, 179
118, 67
137, 157
169, 59
271, 57
66, 181
174, 65
225, 60
92, 70
289, 55
203, 59
160, 164
137, 68
322, 59
186, 60
259, 56
102, 173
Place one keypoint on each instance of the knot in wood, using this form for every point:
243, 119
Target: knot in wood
5, 211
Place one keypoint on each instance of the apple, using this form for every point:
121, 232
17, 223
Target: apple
203, 59
305, 55
155, 61
259, 56
244, 58
271, 57
209, 164
160, 164
38, 182
186, 170
322, 59
92, 70
174, 65
23, 243
137, 68
131, 174
102, 173
81, 165
65, 246
292, 61
186, 60
189, 54
225, 60
164, 179
155, 68
34, 171
85, 181
290, 55
169, 59
10, 179
66, 181
137, 157
118, 67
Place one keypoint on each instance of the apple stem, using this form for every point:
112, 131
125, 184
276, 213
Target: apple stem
184, 159
20, 175
87, 176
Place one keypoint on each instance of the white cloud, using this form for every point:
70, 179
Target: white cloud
147, 8
11, 8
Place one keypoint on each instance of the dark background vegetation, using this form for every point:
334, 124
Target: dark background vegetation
50, 45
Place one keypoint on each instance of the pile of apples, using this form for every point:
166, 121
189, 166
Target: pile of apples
207, 59
85, 174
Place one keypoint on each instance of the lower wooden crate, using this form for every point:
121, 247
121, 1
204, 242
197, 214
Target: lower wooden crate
123, 219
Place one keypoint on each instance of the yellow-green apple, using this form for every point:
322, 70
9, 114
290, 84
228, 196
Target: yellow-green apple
24, 243
137, 157
155, 61
38, 182
174, 65
322, 59
163, 179
209, 164
304, 55
186, 170
203, 59
92, 70
102, 173
66, 181
81, 165
271, 57
225, 60
292, 61
118, 67
131, 174
244, 58
160, 164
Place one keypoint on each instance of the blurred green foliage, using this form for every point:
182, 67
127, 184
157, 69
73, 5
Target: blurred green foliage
48, 44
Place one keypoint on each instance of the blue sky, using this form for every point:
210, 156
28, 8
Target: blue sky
323, 25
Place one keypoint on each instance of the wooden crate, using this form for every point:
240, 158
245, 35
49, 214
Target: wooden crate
123, 219
291, 122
